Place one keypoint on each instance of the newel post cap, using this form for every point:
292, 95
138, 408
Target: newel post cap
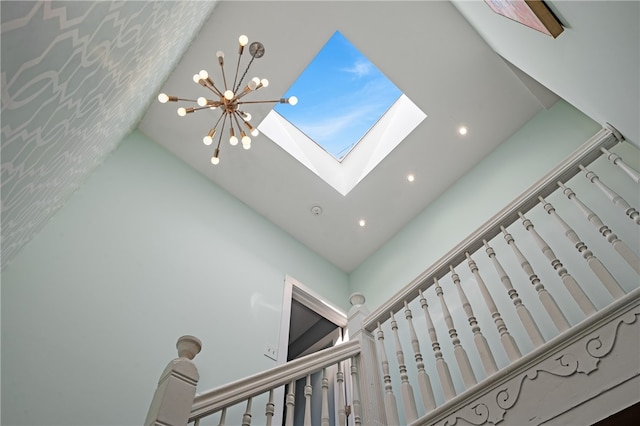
188, 346
357, 299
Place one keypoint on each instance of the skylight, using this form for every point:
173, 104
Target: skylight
348, 119
337, 115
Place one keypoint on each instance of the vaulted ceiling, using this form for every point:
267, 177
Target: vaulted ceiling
78, 76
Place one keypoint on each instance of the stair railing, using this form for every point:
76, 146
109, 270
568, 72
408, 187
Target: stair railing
418, 387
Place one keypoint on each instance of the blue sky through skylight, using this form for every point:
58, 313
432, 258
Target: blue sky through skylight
341, 95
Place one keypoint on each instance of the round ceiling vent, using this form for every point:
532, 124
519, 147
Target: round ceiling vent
316, 210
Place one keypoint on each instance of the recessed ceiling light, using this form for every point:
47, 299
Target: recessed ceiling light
411, 177
362, 222
463, 130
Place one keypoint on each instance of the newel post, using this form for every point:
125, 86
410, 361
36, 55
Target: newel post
369, 379
172, 401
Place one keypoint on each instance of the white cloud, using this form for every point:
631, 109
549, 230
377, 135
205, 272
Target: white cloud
360, 68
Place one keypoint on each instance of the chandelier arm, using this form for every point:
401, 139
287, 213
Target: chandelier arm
219, 118
235, 116
211, 86
235, 78
261, 102
224, 77
243, 74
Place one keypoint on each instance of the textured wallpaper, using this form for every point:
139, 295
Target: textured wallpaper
77, 77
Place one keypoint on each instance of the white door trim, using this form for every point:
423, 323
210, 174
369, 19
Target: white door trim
295, 290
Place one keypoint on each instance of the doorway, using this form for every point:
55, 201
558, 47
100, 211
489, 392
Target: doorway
308, 324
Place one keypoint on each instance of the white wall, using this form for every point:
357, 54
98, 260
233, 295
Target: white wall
147, 250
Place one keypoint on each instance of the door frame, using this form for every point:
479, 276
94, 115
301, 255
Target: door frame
295, 290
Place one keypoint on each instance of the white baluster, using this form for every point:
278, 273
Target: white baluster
355, 392
290, 403
223, 417
442, 368
324, 413
408, 400
510, 346
307, 404
593, 262
569, 282
615, 159
424, 382
246, 417
486, 356
547, 300
271, 408
523, 313
342, 417
613, 196
390, 405
620, 246
468, 377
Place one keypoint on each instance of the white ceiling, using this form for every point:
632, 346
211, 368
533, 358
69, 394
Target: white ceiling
60, 119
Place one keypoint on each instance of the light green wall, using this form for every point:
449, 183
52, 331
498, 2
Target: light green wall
511, 168
147, 250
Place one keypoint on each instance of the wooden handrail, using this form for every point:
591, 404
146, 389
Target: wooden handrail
259, 383
587, 153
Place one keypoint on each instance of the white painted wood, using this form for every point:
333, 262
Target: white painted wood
324, 412
176, 389
613, 196
547, 300
406, 390
372, 411
585, 154
223, 417
486, 356
290, 403
523, 313
618, 161
569, 282
357, 409
246, 417
342, 417
509, 344
620, 246
593, 262
579, 365
448, 390
270, 408
424, 382
308, 391
390, 404
468, 376
232, 393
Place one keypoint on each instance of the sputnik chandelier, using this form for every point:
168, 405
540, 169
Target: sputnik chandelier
229, 101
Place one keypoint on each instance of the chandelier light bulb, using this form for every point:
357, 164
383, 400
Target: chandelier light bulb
243, 40
215, 161
292, 100
252, 84
246, 145
233, 140
163, 98
203, 74
246, 116
202, 101
228, 95
196, 78
182, 112
256, 80
254, 132
264, 82
220, 54
245, 139
208, 140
